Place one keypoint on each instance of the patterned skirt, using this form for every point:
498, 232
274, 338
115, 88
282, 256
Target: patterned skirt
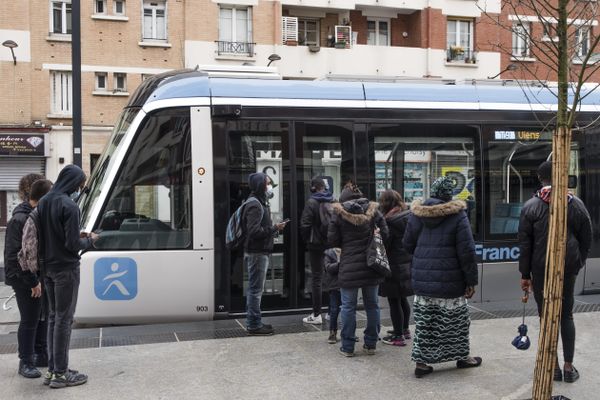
442, 330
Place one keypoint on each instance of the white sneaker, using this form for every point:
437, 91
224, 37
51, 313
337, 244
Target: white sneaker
327, 316
311, 319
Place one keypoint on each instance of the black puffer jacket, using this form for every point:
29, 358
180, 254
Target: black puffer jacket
350, 229
59, 221
13, 274
439, 237
331, 265
398, 285
533, 237
310, 225
260, 232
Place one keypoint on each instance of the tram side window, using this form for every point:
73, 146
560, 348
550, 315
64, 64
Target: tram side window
149, 206
410, 164
512, 177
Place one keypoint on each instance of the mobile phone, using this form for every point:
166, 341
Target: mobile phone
285, 221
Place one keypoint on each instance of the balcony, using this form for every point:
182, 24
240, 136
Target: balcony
458, 55
243, 49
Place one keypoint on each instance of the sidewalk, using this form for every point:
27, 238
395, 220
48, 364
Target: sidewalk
303, 366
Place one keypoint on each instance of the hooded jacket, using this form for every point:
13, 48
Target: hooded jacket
350, 229
398, 285
259, 232
13, 273
310, 222
439, 237
533, 237
59, 222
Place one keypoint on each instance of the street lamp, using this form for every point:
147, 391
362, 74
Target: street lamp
509, 67
11, 44
273, 57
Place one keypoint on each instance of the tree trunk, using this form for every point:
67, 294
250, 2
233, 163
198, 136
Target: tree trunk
557, 224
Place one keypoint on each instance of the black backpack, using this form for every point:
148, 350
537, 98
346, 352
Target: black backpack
325, 215
235, 235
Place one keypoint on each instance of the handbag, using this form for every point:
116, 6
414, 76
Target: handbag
376, 256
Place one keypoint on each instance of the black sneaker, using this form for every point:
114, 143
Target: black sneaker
67, 379
265, 330
28, 370
571, 376
332, 337
370, 350
48, 376
40, 360
346, 353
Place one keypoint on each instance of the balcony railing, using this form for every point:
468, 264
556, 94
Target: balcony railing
460, 55
237, 48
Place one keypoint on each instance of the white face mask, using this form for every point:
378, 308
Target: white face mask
75, 195
269, 192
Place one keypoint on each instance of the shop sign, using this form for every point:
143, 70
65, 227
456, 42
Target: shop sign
22, 145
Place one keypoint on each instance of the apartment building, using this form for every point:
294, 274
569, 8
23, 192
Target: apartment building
124, 41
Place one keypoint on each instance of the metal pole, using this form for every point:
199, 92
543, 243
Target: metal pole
76, 68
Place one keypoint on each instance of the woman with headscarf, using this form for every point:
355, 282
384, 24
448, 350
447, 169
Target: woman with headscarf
444, 275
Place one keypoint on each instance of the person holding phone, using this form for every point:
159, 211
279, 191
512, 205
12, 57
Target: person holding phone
258, 246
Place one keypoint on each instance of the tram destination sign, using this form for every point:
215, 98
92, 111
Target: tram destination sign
22, 145
520, 135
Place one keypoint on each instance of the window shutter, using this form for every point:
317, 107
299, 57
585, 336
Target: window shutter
289, 29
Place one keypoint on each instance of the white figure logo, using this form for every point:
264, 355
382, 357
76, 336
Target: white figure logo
116, 283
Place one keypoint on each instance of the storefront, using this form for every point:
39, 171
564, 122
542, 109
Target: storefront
22, 152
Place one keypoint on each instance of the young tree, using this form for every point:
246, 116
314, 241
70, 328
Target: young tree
564, 52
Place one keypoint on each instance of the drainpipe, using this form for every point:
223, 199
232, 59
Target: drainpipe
428, 52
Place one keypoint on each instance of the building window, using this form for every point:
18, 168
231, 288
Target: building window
583, 41
460, 39
521, 32
60, 17
61, 92
235, 30
378, 32
101, 81
100, 6
120, 82
155, 20
308, 32
119, 7
93, 161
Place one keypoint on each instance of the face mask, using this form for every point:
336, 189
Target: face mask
269, 192
75, 195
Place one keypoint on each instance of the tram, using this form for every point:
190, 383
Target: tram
178, 160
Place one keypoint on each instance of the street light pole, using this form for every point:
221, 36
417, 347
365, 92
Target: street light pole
76, 70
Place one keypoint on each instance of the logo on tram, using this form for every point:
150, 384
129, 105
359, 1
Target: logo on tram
115, 278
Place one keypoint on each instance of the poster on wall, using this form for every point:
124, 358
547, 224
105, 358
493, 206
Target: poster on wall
269, 162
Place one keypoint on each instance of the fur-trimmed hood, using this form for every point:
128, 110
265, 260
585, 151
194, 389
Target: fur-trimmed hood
434, 211
357, 212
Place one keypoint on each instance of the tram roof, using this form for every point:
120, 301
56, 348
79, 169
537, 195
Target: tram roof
189, 83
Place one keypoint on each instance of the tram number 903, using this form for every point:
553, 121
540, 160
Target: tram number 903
202, 308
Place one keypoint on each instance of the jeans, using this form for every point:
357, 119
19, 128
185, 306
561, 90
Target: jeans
567, 325
33, 326
316, 269
62, 287
349, 300
257, 265
400, 313
335, 305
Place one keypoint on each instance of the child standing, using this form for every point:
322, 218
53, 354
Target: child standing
330, 283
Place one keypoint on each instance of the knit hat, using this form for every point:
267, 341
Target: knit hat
442, 188
317, 184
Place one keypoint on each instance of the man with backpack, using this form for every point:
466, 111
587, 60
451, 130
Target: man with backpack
533, 239
259, 233
62, 241
313, 229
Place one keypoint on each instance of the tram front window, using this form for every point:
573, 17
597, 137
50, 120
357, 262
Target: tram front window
514, 157
149, 206
105, 163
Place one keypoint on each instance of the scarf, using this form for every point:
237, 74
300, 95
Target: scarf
322, 197
545, 194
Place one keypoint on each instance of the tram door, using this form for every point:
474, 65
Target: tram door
322, 149
260, 146
409, 158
